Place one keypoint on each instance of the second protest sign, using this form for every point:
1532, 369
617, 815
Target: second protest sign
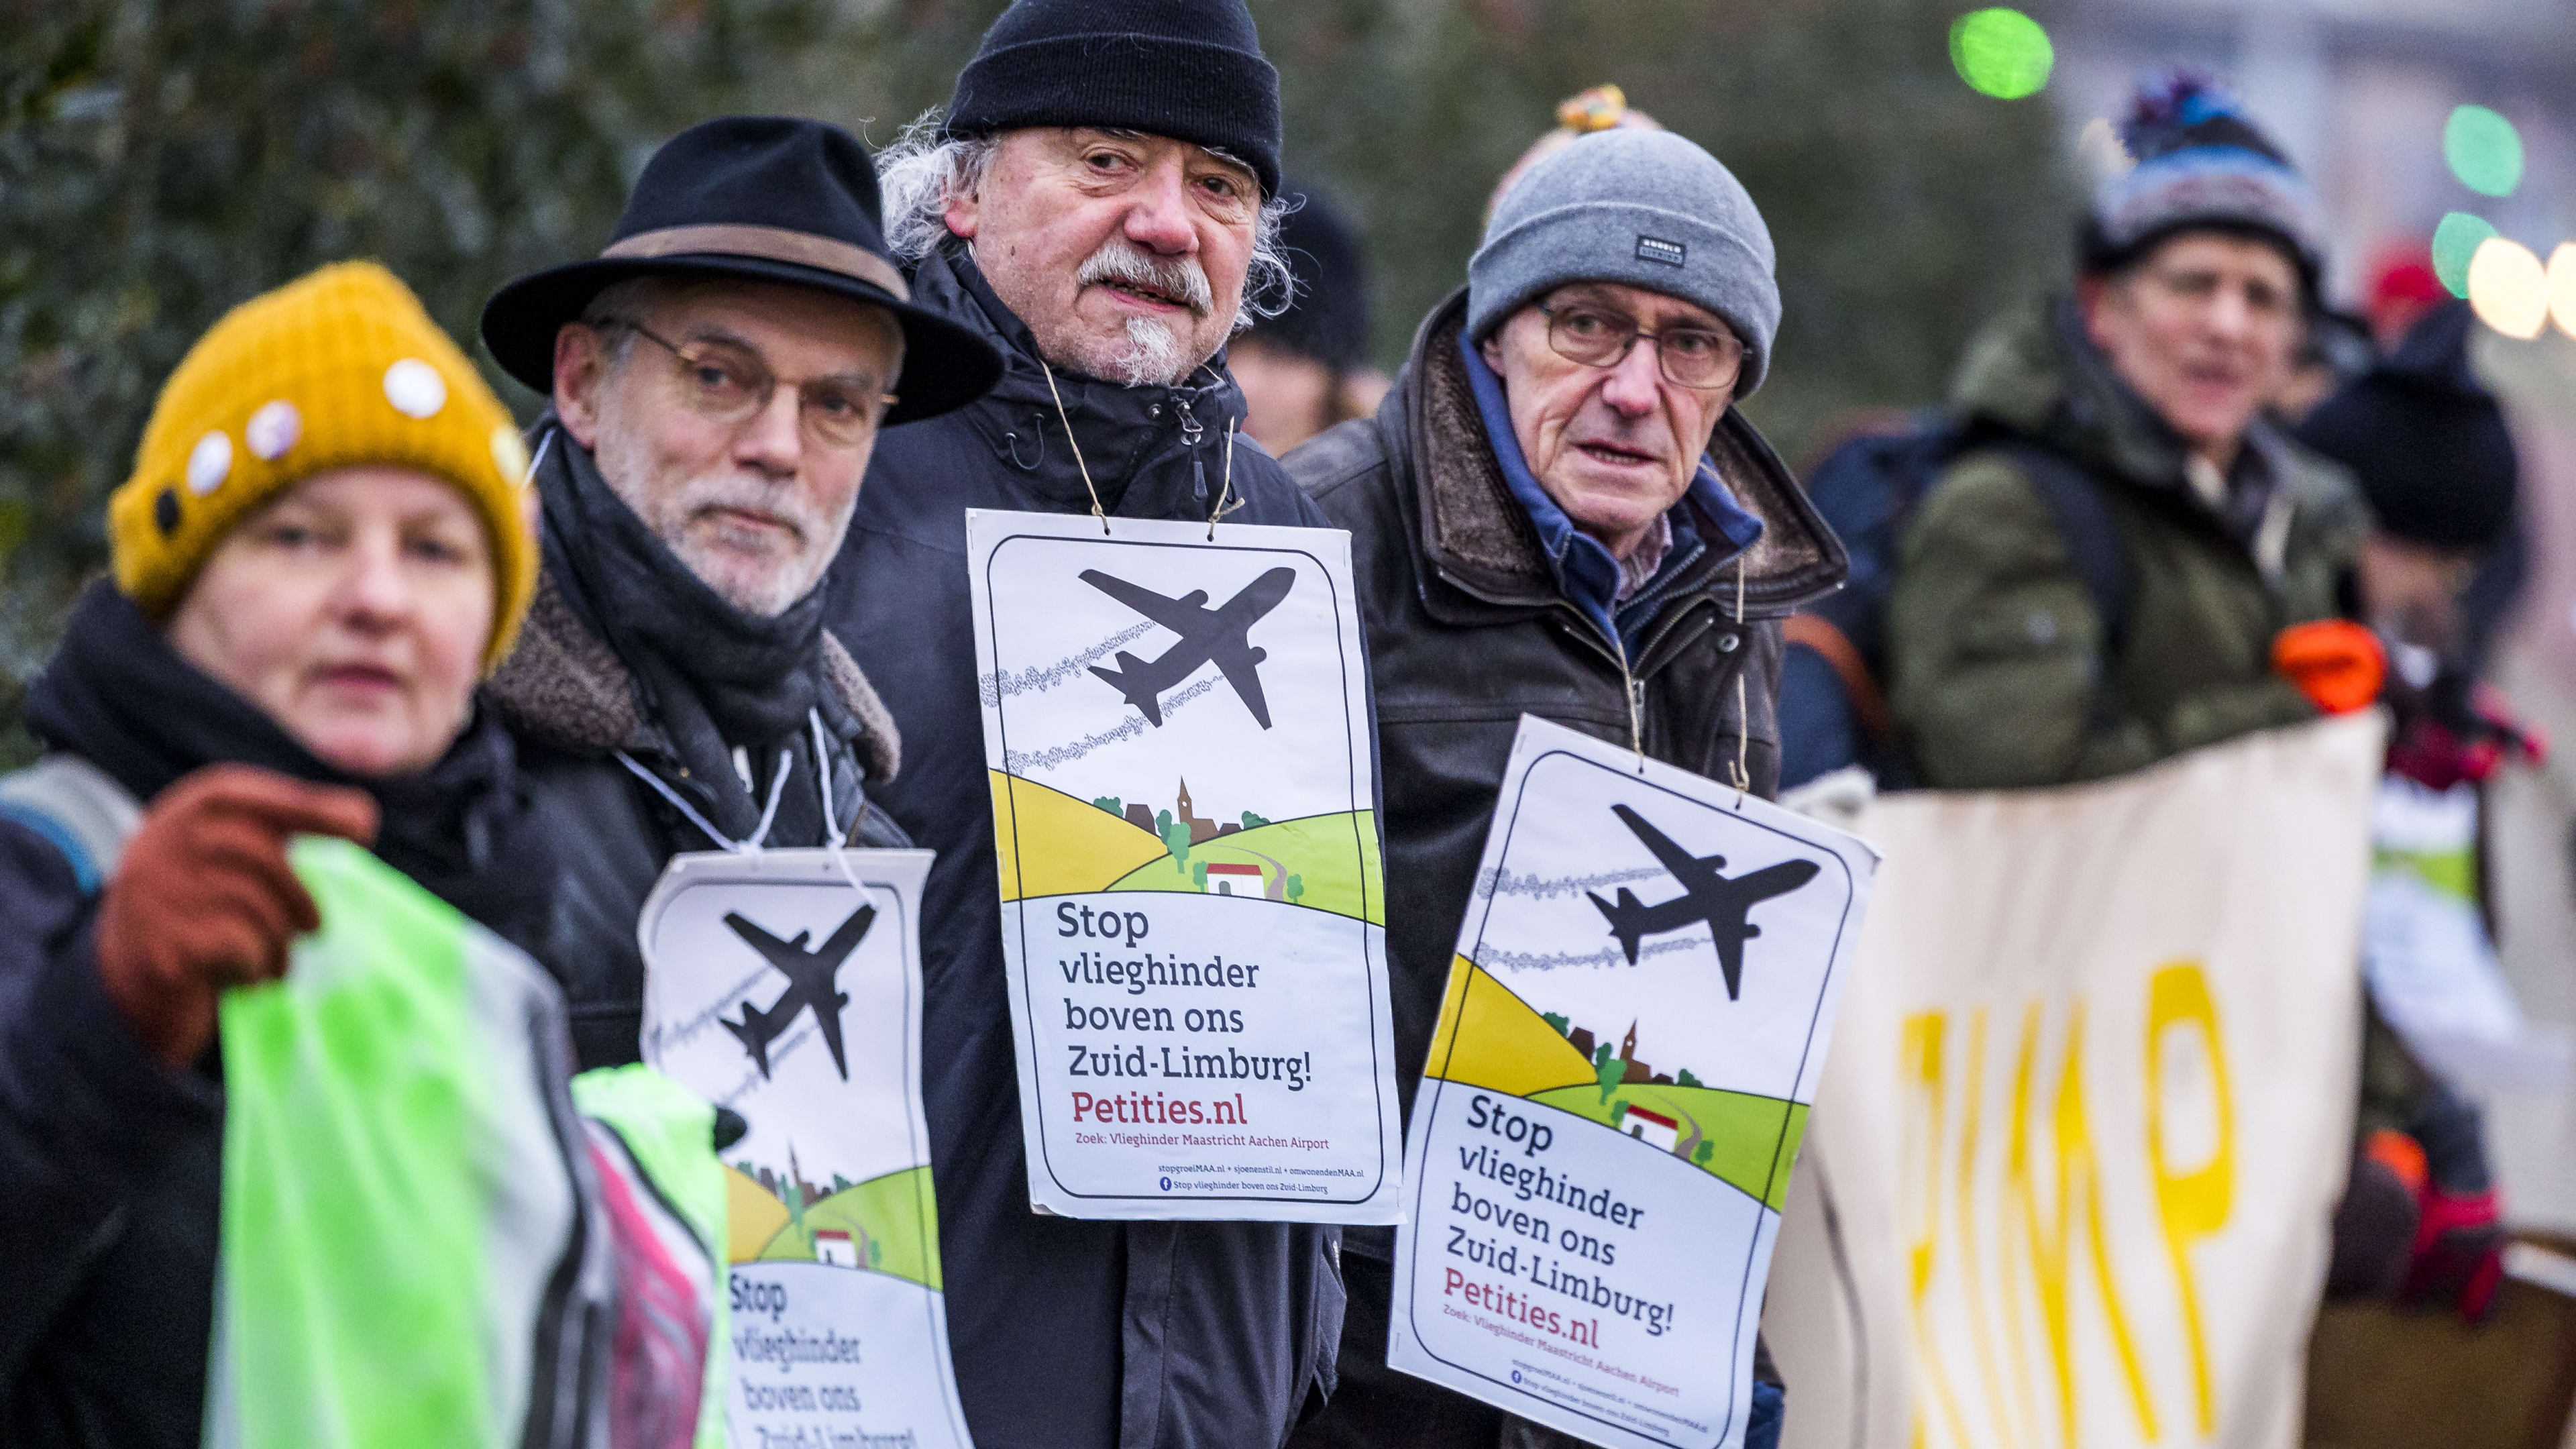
1633, 1028
1192, 911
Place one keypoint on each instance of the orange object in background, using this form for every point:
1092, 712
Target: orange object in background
2336, 663
2400, 1154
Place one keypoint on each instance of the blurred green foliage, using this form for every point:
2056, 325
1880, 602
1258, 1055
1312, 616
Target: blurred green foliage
161, 162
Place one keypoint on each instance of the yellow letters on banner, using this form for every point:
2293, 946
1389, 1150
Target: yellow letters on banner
1924, 1091
2077, 1176
2193, 1204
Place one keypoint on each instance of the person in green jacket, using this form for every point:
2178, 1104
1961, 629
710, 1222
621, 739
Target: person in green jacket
2198, 269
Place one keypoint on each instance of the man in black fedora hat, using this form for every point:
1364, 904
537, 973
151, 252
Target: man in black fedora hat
1100, 201
718, 376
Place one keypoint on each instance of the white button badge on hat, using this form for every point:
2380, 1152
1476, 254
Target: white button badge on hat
209, 463
273, 429
415, 388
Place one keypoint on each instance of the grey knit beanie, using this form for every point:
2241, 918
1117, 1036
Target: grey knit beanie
1647, 208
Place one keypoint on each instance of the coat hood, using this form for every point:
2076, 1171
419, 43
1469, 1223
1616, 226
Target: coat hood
1477, 536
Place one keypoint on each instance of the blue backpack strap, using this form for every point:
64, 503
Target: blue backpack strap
79, 809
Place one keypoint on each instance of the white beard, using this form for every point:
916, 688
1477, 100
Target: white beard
1153, 356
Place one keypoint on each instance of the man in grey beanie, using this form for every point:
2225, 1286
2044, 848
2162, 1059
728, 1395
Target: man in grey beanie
1559, 512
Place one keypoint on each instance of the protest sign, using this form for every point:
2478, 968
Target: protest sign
2088, 1112
786, 985
1192, 911
1644, 987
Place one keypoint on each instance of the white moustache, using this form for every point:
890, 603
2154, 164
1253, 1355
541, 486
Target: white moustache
1177, 279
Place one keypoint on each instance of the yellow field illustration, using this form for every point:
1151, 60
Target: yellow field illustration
1064, 846
1490, 1038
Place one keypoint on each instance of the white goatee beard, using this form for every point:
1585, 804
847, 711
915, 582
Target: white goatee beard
1153, 355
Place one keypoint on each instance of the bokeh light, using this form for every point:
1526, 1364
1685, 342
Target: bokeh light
2455, 244
2484, 150
2562, 287
2509, 288
2001, 53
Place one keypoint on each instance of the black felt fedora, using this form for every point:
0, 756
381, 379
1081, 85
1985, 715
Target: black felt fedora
770, 198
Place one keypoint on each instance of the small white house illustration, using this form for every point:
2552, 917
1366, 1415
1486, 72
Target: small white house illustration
1653, 1128
834, 1247
1233, 880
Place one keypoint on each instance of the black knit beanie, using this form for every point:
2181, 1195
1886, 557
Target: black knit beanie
1328, 319
1188, 69
2428, 444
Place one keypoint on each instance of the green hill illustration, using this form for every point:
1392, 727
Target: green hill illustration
884, 1225
1751, 1140
1323, 862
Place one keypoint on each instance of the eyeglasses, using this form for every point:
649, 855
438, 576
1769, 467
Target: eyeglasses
731, 384
1694, 357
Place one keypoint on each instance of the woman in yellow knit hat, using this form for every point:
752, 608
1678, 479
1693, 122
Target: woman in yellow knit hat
324, 547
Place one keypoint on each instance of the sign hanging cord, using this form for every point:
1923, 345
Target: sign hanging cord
1743, 720
1226, 502
1061, 416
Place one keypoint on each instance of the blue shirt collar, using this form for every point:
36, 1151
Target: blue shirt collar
1585, 571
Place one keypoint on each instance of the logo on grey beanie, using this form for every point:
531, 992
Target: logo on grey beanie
1656, 249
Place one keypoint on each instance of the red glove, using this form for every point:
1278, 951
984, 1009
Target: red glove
2336, 663
2459, 1254
203, 898
2464, 736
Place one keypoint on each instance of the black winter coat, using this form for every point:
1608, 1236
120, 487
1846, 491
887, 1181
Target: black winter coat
110, 1161
1066, 1334
1468, 630
572, 705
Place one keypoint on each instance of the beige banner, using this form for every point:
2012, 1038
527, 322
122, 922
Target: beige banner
2087, 1111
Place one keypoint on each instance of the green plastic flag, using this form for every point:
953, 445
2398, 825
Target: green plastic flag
421, 1242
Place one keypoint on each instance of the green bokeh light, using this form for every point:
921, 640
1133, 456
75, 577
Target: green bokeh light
2455, 241
2484, 150
2001, 53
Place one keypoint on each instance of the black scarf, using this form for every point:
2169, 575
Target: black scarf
117, 695
712, 676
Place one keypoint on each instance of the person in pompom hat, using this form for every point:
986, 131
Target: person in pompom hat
324, 545
1100, 201
2130, 560
1307, 368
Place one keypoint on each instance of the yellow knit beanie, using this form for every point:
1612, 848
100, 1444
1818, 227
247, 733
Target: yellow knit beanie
338, 369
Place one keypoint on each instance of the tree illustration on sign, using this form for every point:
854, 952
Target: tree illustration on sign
1198, 874
1295, 887
1112, 804
1176, 838
1608, 1068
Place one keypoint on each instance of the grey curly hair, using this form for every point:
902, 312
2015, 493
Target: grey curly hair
922, 169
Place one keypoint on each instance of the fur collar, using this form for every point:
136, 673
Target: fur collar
563, 687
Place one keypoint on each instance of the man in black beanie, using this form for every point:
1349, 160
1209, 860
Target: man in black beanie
1099, 202
1307, 368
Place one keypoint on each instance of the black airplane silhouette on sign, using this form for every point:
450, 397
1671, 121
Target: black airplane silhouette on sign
1220, 635
809, 977
1707, 897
